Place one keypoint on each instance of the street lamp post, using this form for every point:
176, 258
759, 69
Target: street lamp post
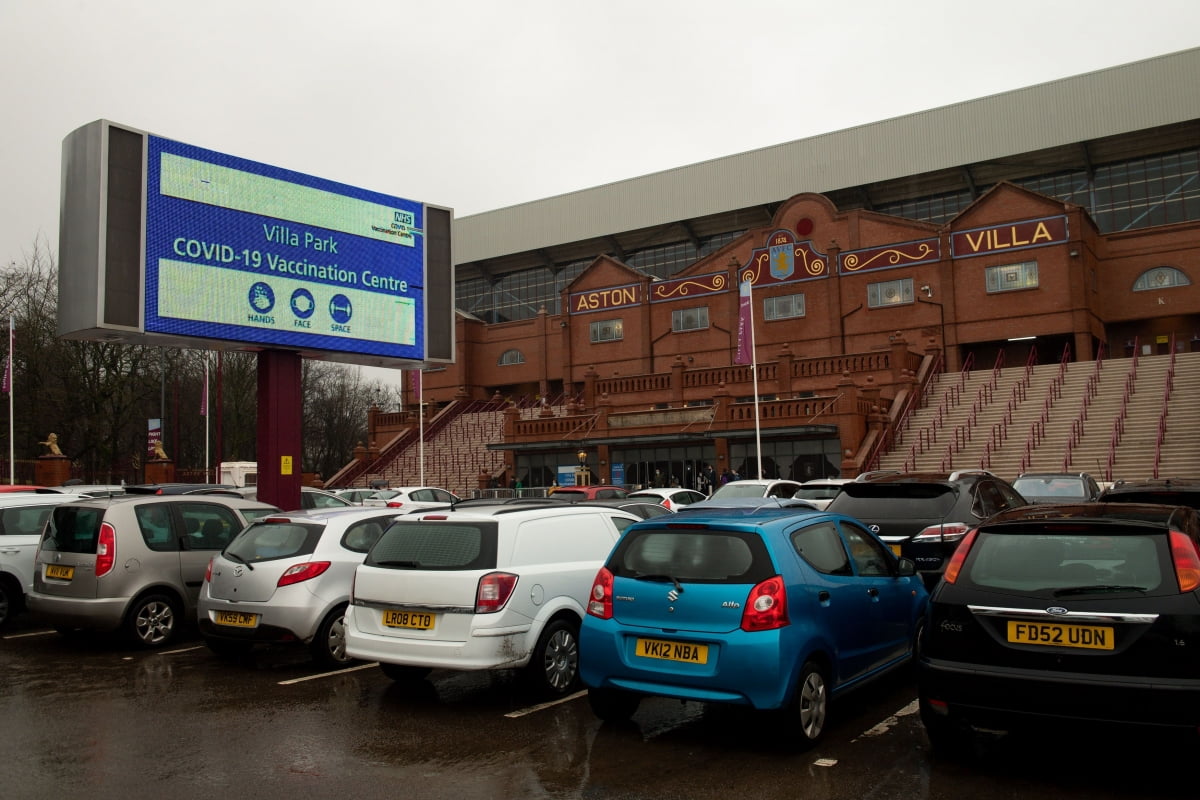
582, 478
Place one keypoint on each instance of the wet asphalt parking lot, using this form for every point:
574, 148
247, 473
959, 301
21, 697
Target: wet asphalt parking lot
92, 717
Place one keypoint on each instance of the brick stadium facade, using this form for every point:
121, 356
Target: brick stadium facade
853, 312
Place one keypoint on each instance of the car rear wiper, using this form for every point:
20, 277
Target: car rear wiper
239, 559
660, 577
398, 563
1100, 587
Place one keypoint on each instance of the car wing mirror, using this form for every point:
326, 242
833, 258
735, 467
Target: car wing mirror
906, 568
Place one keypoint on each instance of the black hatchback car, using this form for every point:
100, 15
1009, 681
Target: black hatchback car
923, 516
1171, 491
1085, 613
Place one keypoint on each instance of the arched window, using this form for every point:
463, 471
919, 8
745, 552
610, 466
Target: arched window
511, 357
1160, 278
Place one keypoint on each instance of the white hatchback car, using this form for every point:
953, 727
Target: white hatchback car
821, 491
286, 579
408, 498
492, 587
22, 517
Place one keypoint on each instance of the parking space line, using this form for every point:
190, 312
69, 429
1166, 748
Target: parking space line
290, 681
533, 709
181, 650
890, 722
27, 635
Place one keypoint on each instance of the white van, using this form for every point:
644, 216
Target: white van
492, 587
22, 517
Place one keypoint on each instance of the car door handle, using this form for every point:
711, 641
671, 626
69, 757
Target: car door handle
823, 597
872, 592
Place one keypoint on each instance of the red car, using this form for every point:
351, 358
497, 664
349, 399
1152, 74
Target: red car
573, 494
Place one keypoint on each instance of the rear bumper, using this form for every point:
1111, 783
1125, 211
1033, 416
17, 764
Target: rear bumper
102, 614
277, 623
500, 647
753, 669
993, 697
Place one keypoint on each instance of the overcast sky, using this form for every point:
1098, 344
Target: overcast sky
478, 105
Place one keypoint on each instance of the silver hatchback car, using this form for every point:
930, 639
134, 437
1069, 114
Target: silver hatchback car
286, 579
132, 563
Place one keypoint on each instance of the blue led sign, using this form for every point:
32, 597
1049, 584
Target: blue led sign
238, 250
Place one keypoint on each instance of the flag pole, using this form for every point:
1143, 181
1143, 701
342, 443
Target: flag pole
208, 475
9, 380
421, 418
754, 373
745, 351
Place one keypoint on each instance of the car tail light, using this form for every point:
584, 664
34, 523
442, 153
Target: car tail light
394, 503
938, 706
766, 607
302, 572
600, 603
208, 570
494, 590
106, 549
666, 502
947, 532
960, 555
1187, 561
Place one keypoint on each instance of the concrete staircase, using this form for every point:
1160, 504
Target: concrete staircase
454, 455
1098, 417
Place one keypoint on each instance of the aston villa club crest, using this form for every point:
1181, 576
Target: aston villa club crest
783, 261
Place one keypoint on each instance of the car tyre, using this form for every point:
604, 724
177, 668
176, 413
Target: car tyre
805, 721
402, 673
153, 621
328, 646
947, 738
554, 666
613, 705
8, 601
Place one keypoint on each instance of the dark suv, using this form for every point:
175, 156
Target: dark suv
923, 516
1167, 491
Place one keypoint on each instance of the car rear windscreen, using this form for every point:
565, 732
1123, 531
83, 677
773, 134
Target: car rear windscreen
1066, 488
73, 530
266, 541
436, 546
694, 556
1070, 563
1166, 498
894, 501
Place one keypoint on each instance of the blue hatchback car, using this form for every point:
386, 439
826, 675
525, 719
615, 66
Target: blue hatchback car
774, 608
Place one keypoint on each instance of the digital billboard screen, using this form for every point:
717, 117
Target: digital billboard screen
239, 250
